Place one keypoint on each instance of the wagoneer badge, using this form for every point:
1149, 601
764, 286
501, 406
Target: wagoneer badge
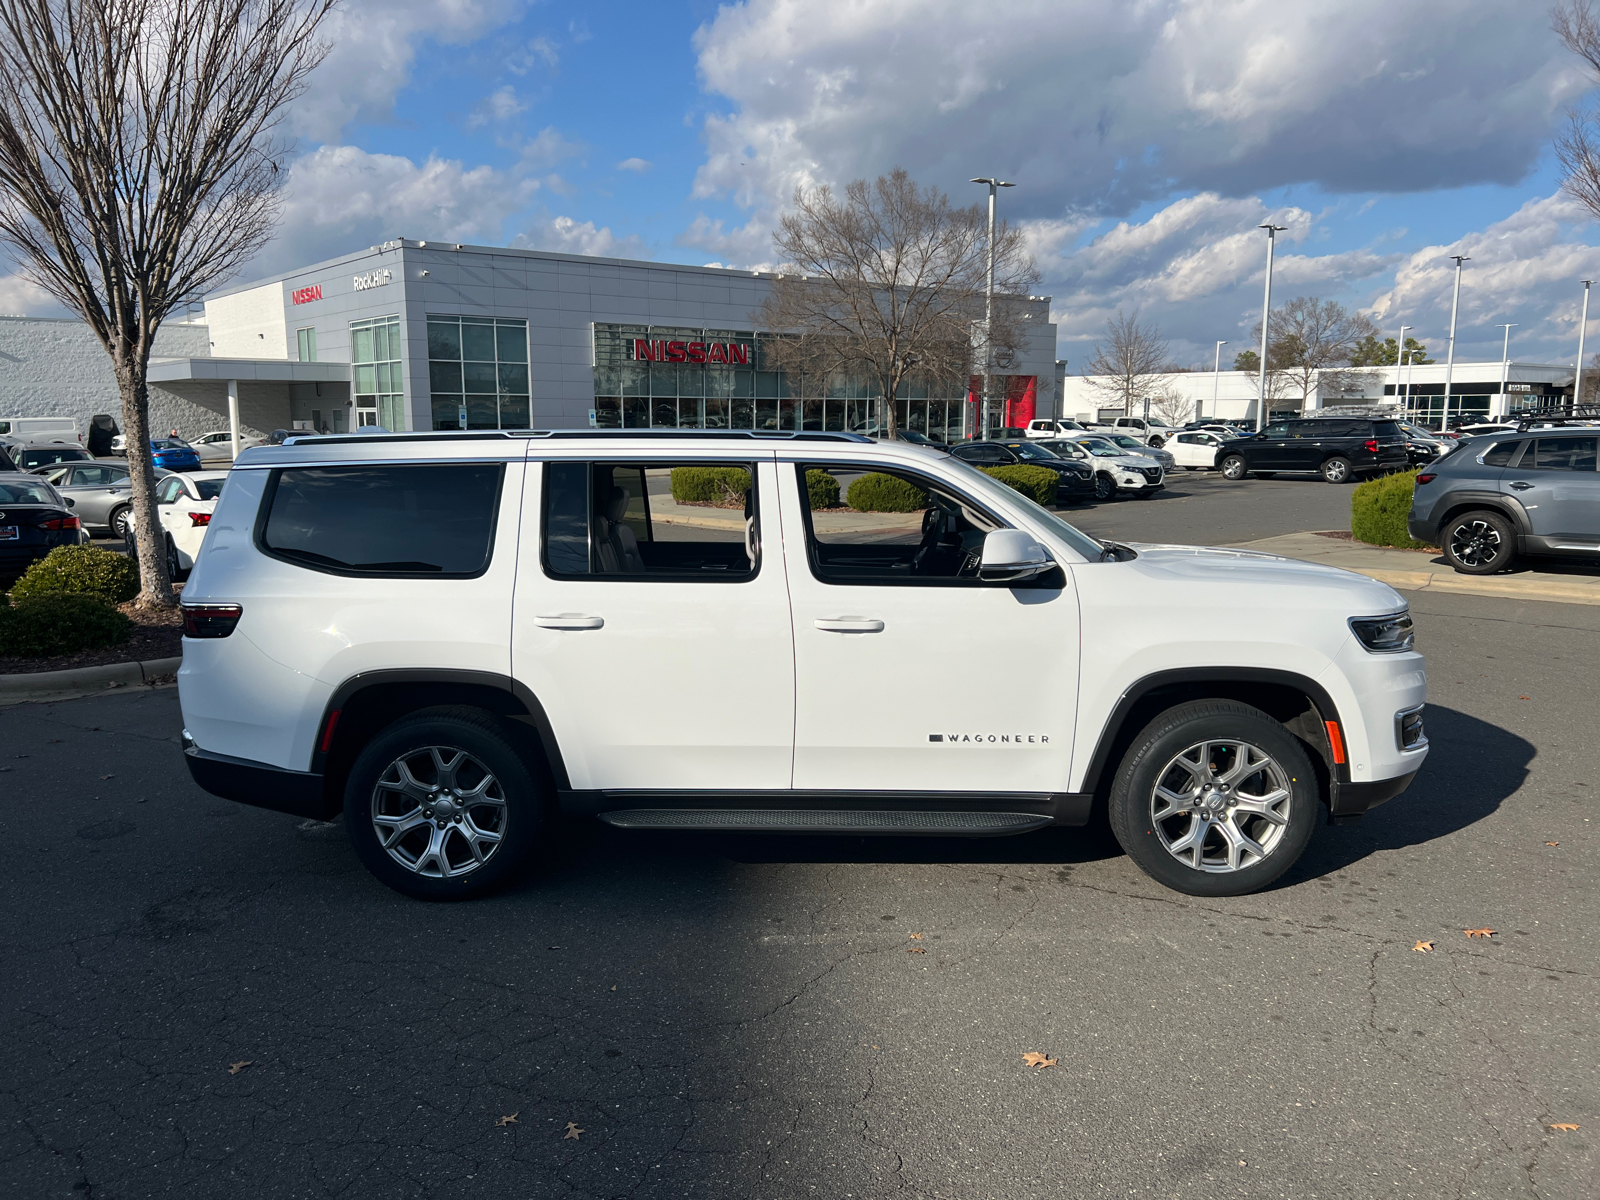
992, 739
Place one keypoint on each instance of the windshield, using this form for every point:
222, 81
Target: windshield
1029, 450
169, 444
1102, 449
1086, 546
17, 492
1123, 439
209, 489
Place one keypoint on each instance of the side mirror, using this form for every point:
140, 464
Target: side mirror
1010, 556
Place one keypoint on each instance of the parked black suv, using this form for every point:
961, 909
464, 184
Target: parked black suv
1337, 448
1076, 479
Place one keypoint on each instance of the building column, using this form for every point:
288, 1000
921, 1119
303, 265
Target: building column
233, 414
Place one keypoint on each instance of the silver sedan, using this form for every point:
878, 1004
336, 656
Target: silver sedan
99, 492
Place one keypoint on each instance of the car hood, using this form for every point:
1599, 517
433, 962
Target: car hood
1137, 461
1180, 566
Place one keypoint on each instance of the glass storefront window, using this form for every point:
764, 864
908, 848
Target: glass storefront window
375, 352
478, 366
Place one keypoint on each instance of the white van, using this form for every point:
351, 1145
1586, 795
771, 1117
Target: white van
1053, 427
39, 430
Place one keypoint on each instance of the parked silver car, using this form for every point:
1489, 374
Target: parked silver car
99, 491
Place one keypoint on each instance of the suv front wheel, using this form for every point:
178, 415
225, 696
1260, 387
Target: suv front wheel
1234, 467
1479, 543
1214, 798
441, 806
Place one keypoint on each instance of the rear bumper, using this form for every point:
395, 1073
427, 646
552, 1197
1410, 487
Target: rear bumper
298, 793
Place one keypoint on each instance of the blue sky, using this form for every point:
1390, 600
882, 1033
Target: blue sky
1149, 138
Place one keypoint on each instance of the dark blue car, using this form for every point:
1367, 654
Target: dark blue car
171, 454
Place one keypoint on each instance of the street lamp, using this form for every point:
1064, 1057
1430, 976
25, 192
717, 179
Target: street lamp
988, 309
1399, 358
1505, 366
1266, 308
1216, 372
1450, 353
1583, 325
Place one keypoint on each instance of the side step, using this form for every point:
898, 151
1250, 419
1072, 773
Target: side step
813, 820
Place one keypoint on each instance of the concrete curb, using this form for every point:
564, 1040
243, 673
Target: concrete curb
1507, 588
82, 681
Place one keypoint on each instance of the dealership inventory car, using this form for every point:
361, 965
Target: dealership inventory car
101, 492
1134, 446
454, 639
1076, 478
34, 520
174, 454
1500, 497
1053, 427
184, 504
1117, 469
31, 456
1337, 448
217, 446
1196, 449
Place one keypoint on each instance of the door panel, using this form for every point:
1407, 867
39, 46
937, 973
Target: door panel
1557, 483
904, 686
677, 675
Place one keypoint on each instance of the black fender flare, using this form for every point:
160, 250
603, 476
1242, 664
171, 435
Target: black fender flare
1466, 501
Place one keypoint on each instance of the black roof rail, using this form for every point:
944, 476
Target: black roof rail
1556, 414
450, 435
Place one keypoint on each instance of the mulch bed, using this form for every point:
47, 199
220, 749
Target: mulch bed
156, 633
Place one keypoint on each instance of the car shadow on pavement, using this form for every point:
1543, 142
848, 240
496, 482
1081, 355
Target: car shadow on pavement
1471, 769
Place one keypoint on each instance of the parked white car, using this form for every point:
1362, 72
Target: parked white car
1117, 469
184, 503
455, 639
217, 446
1053, 427
1196, 449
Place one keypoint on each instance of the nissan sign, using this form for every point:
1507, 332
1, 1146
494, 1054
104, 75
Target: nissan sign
733, 354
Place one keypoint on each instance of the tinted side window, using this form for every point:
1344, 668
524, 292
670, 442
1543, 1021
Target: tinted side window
428, 520
1384, 429
1280, 430
1501, 454
1563, 454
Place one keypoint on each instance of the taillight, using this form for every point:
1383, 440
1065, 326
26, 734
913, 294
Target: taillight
200, 518
210, 620
1372, 446
59, 523
1429, 478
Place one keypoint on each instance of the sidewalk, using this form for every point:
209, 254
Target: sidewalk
1424, 570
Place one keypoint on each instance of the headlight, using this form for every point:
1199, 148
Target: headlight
1385, 635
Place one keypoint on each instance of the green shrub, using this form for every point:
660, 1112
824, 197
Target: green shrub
878, 492
824, 490
81, 571
720, 487
1036, 483
1378, 510
60, 624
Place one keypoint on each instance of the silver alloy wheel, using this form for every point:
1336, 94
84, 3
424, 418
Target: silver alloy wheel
1221, 806
1475, 543
1335, 470
119, 523
1233, 468
438, 811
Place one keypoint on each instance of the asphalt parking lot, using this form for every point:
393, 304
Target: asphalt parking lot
746, 1017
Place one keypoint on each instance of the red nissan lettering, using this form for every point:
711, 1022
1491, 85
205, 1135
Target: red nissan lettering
697, 352
739, 355
675, 352
716, 352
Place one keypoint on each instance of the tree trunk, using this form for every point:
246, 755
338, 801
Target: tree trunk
155, 588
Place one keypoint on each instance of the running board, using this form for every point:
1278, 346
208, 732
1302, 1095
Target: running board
820, 820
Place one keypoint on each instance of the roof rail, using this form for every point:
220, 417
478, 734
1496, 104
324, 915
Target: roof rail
451, 435
1556, 414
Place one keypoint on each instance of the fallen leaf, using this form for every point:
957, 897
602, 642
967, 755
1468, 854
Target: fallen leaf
511, 1120
1552, 843
916, 950
1034, 1059
1479, 933
613, 987
572, 1131
1565, 1128
235, 1068
1423, 947
108, 777
916, 937
54, 742
1524, 697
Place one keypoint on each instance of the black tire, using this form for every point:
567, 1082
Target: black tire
1156, 443
175, 572
1105, 487
118, 522
1201, 728
1336, 470
1234, 467
1479, 543
512, 806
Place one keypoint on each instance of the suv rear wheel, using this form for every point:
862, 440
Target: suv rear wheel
1479, 543
1214, 798
1336, 470
1234, 467
441, 806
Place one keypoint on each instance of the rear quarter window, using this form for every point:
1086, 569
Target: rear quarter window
1501, 454
425, 520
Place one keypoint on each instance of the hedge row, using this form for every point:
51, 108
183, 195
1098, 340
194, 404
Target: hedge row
80, 571
823, 489
1036, 483
65, 603
1378, 510
720, 487
877, 492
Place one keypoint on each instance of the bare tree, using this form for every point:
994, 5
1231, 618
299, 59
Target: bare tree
887, 283
1313, 342
1132, 353
1169, 404
139, 167
1578, 145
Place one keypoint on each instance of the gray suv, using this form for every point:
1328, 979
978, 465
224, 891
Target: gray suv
1532, 492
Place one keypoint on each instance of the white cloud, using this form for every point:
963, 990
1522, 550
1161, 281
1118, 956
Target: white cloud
21, 297
1103, 104
373, 46
548, 147
634, 164
498, 107
749, 248
538, 50
568, 236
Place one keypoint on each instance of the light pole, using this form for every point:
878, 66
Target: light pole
1505, 367
1216, 372
1450, 352
988, 310
1266, 308
1583, 325
1399, 358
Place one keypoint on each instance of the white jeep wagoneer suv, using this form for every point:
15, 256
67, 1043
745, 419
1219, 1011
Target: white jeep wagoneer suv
454, 638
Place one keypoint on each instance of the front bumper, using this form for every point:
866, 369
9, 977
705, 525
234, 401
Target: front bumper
1351, 800
298, 793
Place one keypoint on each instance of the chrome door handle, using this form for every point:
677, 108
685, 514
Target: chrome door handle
849, 624
569, 621
1520, 486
